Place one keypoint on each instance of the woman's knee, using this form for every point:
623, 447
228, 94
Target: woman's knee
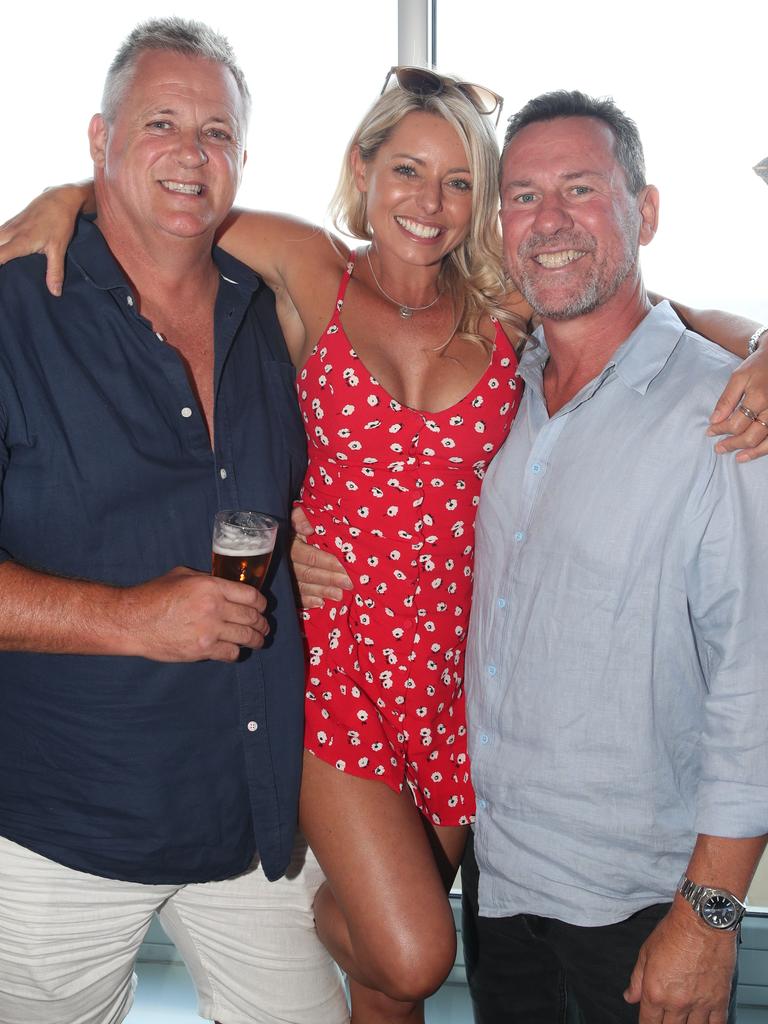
409, 968
405, 958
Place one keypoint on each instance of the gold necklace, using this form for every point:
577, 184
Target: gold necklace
405, 311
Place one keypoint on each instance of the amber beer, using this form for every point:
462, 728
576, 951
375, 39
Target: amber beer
243, 567
242, 546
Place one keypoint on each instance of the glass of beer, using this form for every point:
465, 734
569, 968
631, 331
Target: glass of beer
242, 546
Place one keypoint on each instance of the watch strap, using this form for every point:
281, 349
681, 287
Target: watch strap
754, 341
696, 895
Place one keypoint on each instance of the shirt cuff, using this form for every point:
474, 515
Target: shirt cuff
732, 810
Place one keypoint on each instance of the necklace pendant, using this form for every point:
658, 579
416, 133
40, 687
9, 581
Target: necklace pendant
406, 312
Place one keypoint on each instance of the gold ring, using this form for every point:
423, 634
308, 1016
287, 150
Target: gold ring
761, 422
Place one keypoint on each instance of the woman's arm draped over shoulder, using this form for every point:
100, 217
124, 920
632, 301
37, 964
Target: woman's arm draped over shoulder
748, 386
728, 330
275, 245
288, 253
266, 242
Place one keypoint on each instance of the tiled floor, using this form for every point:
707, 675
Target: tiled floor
165, 996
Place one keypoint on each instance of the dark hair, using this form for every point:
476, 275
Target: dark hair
551, 105
177, 35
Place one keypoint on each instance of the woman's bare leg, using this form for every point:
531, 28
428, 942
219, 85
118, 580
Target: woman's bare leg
372, 1007
383, 912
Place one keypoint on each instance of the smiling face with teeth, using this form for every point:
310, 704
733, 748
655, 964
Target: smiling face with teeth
170, 162
418, 190
571, 225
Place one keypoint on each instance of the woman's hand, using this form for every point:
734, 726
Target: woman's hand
46, 226
319, 574
742, 409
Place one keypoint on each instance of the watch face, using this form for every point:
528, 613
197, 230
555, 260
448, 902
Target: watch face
718, 911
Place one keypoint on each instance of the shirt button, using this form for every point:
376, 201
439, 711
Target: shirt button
482, 804
186, 412
537, 468
502, 603
484, 738
491, 670
223, 474
252, 726
129, 300
519, 536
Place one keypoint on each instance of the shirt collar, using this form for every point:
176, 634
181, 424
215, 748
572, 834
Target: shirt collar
89, 251
645, 353
637, 361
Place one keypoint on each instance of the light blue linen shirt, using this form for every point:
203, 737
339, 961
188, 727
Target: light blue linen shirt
617, 672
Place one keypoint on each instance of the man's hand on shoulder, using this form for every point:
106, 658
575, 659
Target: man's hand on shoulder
684, 971
191, 616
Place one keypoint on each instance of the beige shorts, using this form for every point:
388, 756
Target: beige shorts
69, 940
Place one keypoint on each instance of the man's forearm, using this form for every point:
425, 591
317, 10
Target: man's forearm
183, 615
55, 615
725, 863
685, 967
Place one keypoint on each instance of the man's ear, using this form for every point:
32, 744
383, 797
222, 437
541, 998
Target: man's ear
648, 201
359, 169
97, 137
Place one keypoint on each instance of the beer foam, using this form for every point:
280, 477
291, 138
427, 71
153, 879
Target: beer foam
230, 541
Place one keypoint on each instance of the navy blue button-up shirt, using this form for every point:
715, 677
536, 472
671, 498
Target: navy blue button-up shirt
125, 767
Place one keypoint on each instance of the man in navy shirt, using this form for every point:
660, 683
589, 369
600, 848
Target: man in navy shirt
151, 732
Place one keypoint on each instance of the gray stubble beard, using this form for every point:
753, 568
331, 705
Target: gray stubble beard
595, 292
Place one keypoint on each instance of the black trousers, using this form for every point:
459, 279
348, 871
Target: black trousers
536, 970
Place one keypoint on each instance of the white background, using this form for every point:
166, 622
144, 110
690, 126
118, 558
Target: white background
691, 74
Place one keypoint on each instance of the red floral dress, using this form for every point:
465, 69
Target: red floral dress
393, 492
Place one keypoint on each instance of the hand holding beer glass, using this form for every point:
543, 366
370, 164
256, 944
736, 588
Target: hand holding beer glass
242, 546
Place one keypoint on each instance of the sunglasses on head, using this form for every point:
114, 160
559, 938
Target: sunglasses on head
423, 82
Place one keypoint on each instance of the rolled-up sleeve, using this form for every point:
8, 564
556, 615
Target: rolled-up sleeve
727, 575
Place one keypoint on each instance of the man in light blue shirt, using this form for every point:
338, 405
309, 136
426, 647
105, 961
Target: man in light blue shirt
616, 671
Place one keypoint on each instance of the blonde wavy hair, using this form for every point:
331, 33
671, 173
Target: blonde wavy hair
473, 272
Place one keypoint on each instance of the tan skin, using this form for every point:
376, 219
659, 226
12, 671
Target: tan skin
383, 862
375, 848
683, 971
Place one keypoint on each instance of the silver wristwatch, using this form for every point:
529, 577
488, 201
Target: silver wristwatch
716, 907
754, 341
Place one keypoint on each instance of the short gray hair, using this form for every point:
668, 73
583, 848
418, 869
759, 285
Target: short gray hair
176, 35
627, 145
